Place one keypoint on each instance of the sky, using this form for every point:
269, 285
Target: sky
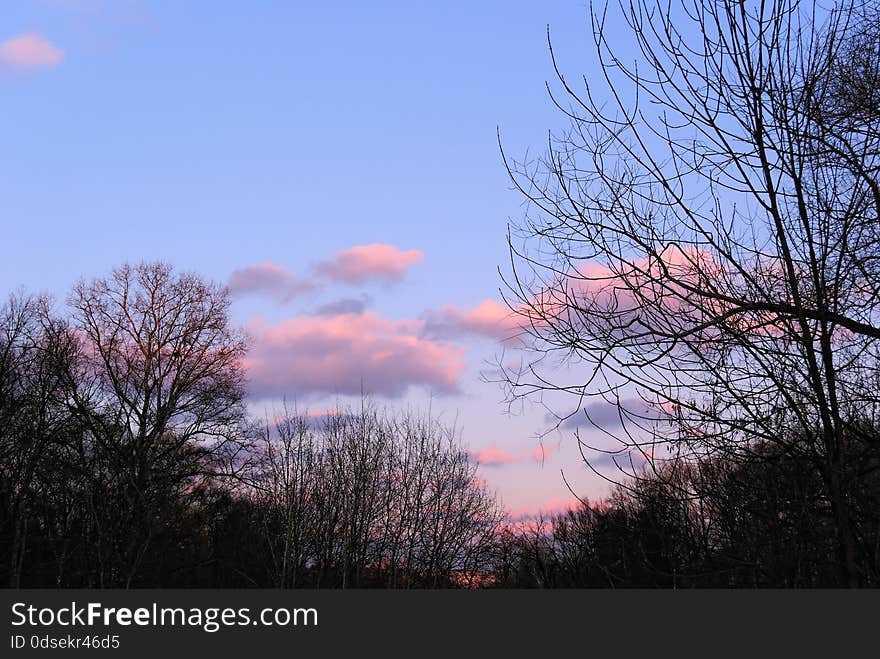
336, 164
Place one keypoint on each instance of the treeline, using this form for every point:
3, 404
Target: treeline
760, 521
128, 458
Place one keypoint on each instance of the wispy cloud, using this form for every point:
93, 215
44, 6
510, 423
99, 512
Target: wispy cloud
29, 51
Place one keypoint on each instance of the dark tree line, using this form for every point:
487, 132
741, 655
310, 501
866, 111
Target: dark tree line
763, 522
127, 459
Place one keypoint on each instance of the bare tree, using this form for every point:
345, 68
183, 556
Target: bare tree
701, 249
160, 389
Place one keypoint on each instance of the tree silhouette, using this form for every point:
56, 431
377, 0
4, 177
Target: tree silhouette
700, 247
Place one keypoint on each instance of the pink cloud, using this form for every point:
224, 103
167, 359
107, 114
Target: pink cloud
495, 457
489, 318
268, 279
345, 353
498, 457
365, 262
666, 293
29, 51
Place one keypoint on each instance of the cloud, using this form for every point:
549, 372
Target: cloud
489, 318
498, 457
343, 306
29, 51
363, 263
269, 279
346, 353
495, 457
670, 293
356, 265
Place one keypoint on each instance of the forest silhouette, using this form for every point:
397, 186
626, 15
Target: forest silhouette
700, 248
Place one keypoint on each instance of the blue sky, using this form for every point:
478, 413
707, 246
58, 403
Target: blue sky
223, 135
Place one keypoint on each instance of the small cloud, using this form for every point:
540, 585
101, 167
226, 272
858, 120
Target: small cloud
494, 457
498, 457
343, 306
369, 262
355, 265
269, 279
29, 51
